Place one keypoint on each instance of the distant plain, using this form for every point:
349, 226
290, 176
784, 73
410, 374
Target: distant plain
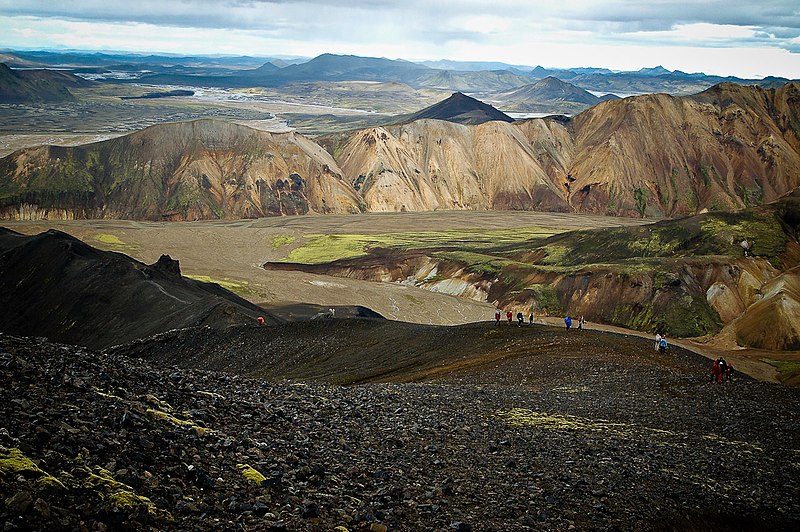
233, 252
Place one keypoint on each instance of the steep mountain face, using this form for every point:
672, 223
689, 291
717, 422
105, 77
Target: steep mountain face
726, 148
432, 164
54, 285
205, 169
37, 86
461, 109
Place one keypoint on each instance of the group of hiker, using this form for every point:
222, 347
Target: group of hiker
498, 316
721, 370
568, 322
510, 317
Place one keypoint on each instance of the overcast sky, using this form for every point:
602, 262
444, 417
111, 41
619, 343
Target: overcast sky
730, 37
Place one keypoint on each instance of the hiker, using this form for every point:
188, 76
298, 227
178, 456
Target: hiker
260, 320
729, 375
581, 323
658, 341
531, 318
723, 369
497, 317
714, 370
520, 319
662, 345
568, 322
509, 316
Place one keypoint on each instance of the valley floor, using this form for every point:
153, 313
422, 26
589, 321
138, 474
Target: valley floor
529, 429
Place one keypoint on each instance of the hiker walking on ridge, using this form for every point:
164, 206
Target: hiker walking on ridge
662, 345
509, 316
520, 319
658, 341
497, 317
729, 373
568, 322
723, 369
581, 323
531, 318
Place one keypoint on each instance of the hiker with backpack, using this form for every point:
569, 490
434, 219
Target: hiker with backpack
662, 344
723, 369
520, 319
497, 317
509, 316
568, 322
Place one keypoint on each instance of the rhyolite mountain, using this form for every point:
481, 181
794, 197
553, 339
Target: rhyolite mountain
37, 86
55, 285
657, 155
205, 169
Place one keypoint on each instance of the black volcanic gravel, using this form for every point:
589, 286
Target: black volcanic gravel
592, 444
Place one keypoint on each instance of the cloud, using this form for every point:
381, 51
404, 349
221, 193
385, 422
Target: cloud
414, 29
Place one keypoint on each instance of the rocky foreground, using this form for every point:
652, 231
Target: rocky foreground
593, 439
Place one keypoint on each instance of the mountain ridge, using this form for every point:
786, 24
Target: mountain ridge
656, 155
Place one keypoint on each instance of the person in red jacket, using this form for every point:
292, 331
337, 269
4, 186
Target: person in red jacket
509, 316
715, 371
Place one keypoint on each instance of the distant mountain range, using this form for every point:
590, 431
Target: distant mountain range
451, 75
39, 86
655, 155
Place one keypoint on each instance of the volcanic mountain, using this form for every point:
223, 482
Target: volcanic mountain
657, 155
37, 86
54, 285
549, 93
461, 109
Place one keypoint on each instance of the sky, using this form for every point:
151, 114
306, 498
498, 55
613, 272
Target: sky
731, 37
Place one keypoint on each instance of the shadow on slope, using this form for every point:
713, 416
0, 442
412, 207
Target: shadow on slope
54, 285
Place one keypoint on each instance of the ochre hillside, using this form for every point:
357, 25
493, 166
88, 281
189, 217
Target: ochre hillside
204, 169
729, 147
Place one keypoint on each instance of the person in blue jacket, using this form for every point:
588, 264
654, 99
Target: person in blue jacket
568, 322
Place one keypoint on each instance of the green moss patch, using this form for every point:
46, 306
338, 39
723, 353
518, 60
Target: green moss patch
250, 473
169, 418
788, 370
121, 495
321, 249
237, 287
114, 243
14, 462
279, 241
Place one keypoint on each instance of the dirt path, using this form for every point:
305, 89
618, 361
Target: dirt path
744, 360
